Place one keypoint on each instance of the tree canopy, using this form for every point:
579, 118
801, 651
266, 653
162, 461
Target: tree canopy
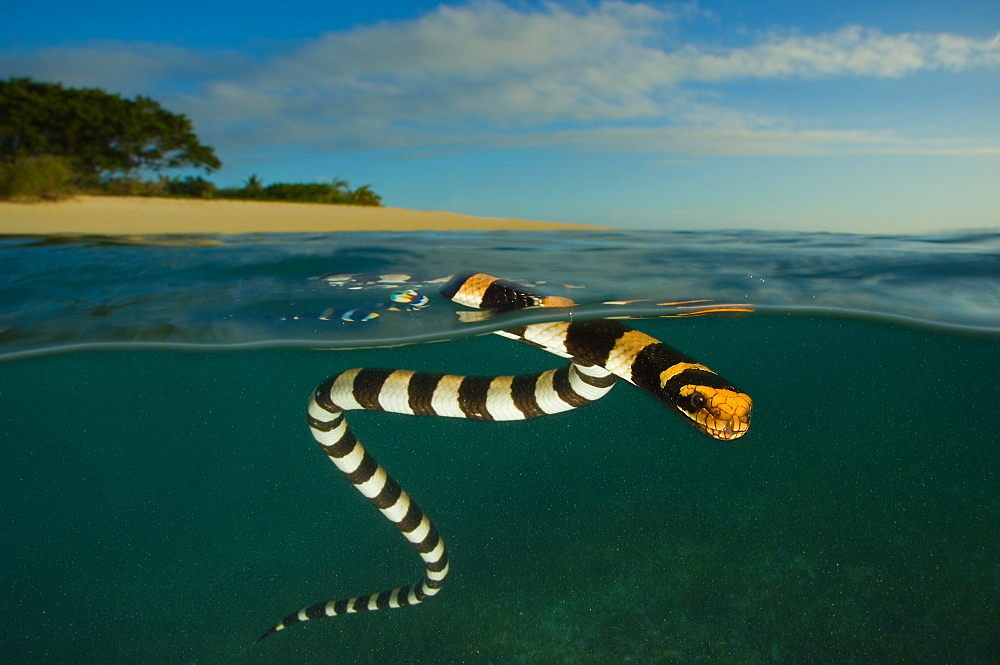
97, 132
55, 141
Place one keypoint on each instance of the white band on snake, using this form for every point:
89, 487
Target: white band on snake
600, 351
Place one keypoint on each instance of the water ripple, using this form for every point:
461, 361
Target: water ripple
266, 289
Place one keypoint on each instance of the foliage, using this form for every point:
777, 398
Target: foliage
307, 192
56, 140
191, 186
337, 192
39, 177
364, 196
253, 188
129, 186
97, 132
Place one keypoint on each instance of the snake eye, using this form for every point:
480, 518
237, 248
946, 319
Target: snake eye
698, 401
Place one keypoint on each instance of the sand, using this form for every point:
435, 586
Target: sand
123, 215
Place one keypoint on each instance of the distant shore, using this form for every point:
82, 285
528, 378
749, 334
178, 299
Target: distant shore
125, 215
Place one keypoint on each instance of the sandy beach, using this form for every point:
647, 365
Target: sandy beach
113, 215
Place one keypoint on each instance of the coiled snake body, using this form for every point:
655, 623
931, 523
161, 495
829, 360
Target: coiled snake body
600, 352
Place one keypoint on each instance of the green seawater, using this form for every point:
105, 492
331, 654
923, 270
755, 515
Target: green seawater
168, 507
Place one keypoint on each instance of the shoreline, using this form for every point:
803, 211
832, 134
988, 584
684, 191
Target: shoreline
137, 215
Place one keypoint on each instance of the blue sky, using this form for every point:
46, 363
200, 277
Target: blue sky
847, 116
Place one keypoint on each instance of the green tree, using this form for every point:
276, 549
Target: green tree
44, 177
316, 192
364, 196
99, 133
191, 186
252, 188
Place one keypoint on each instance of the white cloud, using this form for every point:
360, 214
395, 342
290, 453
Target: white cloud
850, 51
488, 74
129, 68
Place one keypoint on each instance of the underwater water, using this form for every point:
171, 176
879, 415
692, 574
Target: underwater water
162, 500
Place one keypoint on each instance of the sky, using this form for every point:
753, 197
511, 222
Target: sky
871, 116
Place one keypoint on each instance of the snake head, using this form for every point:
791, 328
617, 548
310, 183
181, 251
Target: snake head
719, 412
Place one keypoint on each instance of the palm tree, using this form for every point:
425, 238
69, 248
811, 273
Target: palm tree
364, 196
253, 186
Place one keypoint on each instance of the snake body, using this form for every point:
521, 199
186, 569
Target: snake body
600, 351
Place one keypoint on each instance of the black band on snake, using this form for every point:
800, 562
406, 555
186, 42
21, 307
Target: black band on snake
600, 351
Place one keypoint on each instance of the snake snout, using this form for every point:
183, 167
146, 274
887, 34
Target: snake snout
722, 414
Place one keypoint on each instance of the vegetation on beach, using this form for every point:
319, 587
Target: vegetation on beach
336, 192
46, 129
57, 141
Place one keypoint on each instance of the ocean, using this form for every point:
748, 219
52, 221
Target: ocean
162, 500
